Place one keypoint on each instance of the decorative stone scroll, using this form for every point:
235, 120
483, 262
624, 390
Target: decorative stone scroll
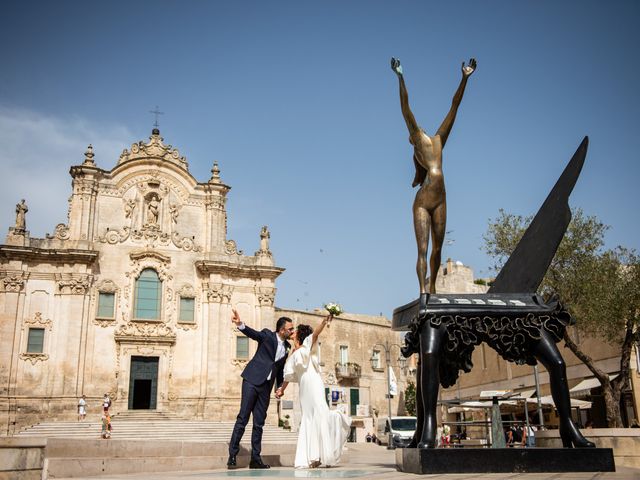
34, 357
61, 232
231, 248
154, 149
145, 332
73, 286
37, 321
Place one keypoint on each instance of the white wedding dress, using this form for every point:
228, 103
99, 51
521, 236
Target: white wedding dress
323, 432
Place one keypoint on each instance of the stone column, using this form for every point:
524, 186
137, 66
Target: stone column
11, 311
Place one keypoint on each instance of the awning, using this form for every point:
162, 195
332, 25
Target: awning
524, 394
474, 405
548, 400
586, 385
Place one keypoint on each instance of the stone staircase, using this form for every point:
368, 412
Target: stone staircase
151, 425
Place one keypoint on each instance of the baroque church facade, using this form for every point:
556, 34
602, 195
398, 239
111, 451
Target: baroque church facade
132, 296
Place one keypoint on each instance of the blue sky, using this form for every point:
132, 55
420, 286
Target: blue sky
297, 103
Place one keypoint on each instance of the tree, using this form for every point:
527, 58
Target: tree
600, 288
410, 399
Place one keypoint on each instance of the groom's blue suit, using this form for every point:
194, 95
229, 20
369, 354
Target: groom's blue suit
256, 388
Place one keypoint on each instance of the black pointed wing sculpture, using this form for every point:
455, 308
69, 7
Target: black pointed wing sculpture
529, 262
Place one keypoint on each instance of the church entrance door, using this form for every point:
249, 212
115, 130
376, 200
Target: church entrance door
143, 383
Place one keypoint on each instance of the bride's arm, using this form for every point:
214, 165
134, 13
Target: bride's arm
317, 331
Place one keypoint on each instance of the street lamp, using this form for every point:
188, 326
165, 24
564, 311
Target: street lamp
402, 363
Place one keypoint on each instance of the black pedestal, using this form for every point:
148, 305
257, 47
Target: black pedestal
504, 460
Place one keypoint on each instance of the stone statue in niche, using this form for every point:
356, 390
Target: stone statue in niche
21, 211
153, 209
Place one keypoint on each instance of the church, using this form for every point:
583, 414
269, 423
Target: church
133, 297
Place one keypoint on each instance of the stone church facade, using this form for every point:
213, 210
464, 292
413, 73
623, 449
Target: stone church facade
132, 296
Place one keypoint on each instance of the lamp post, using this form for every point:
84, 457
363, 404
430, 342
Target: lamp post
402, 363
540, 416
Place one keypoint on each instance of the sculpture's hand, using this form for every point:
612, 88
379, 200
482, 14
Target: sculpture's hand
235, 318
469, 69
395, 66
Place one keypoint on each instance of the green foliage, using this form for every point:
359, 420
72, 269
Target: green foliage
410, 399
480, 281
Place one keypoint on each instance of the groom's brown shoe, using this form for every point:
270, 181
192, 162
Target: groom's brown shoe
258, 463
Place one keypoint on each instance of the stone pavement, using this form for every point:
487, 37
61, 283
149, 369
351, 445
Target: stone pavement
367, 461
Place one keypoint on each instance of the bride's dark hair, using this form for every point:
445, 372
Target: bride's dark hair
303, 332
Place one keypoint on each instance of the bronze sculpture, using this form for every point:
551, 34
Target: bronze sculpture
521, 327
430, 204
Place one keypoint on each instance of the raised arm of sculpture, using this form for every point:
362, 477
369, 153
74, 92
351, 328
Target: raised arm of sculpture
410, 120
447, 123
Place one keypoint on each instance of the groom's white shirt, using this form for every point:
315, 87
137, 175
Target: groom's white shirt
280, 351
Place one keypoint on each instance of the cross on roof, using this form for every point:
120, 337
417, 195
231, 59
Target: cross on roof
156, 112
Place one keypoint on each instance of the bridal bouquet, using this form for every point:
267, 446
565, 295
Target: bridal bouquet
334, 309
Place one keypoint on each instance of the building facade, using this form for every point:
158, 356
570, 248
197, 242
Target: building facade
133, 297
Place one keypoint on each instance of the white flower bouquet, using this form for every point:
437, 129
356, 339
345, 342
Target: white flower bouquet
334, 309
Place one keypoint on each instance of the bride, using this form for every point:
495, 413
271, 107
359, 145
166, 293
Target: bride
323, 432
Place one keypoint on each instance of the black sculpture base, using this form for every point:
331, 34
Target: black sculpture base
504, 460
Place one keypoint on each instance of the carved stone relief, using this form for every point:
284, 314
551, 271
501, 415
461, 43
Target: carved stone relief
151, 205
266, 296
231, 248
34, 357
13, 282
71, 285
150, 331
154, 149
37, 322
218, 292
61, 232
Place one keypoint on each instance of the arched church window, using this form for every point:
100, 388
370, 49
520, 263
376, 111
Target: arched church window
148, 295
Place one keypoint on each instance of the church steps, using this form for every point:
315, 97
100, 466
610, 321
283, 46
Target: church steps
129, 429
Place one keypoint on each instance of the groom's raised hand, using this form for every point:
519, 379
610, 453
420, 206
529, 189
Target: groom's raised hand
235, 318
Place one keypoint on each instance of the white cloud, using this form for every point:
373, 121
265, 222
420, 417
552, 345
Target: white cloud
36, 152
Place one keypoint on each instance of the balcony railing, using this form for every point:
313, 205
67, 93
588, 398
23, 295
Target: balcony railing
348, 370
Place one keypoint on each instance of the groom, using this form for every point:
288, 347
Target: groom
258, 377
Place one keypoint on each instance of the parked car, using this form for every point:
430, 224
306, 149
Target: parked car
401, 429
